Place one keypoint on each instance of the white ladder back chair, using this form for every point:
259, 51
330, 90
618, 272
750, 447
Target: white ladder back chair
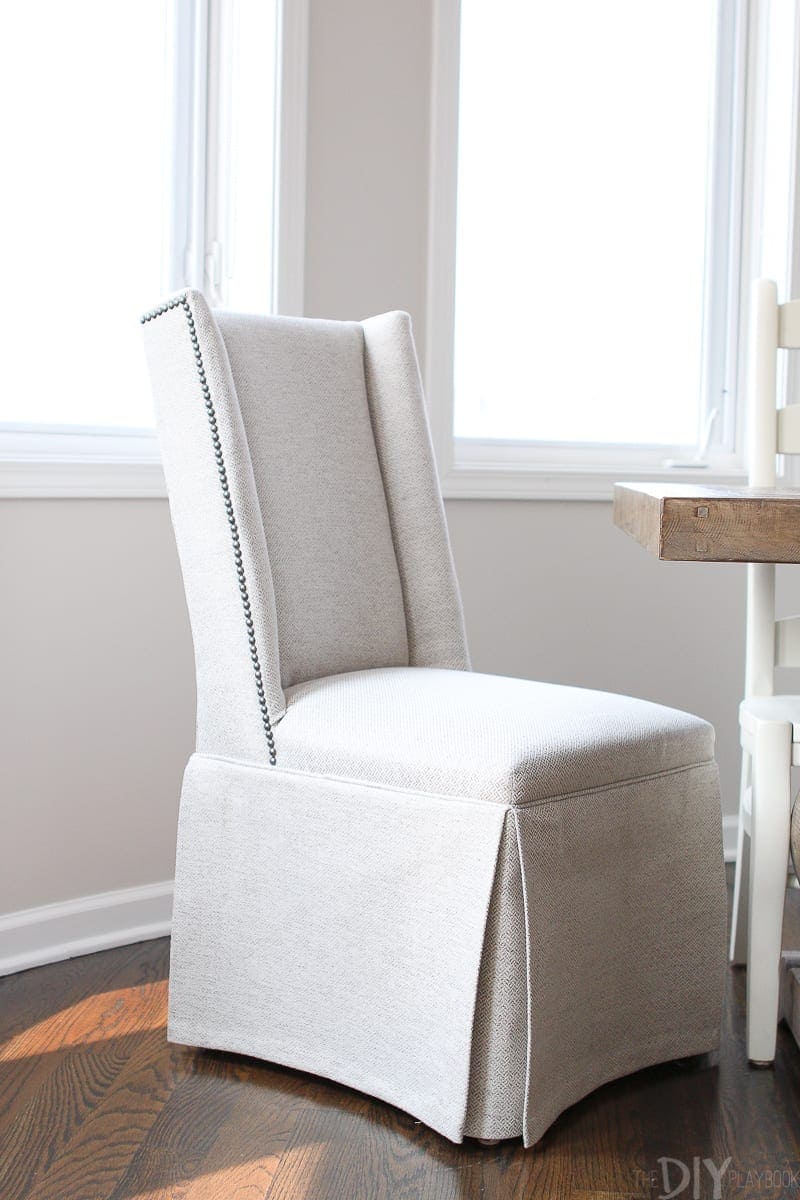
769, 724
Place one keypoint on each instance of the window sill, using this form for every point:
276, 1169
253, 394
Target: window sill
51, 478
566, 483
81, 479
86, 462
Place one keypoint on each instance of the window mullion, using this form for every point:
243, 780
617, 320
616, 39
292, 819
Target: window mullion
793, 360
217, 135
193, 129
721, 304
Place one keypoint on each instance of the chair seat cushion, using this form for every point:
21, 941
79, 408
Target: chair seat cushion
783, 709
488, 737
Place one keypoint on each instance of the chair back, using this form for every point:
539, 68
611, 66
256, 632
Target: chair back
771, 431
306, 506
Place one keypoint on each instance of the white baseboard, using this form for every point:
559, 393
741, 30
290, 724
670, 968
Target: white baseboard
730, 833
53, 932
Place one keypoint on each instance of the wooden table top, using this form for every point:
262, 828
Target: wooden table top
694, 522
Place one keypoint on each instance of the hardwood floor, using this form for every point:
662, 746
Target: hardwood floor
95, 1105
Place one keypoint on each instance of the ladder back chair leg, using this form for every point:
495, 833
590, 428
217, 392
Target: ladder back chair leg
769, 851
764, 811
741, 887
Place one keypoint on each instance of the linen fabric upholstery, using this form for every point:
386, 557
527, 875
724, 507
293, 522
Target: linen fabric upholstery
474, 897
228, 716
498, 1071
335, 928
510, 741
624, 893
303, 401
429, 949
436, 636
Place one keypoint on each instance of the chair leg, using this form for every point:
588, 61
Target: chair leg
769, 851
741, 887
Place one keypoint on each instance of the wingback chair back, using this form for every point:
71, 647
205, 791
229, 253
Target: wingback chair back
308, 516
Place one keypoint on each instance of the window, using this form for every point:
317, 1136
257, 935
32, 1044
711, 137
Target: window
146, 156
606, 182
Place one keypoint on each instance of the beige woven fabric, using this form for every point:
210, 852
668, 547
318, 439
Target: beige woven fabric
624, 893
304, 406
436, 636
481, 966
498, 1071
613, 824
335, 476
228, 717
511, 741
604, 950
335, 928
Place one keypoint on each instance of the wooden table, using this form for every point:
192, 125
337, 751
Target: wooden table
693, 522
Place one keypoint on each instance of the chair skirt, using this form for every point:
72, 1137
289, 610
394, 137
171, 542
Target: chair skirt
480, 966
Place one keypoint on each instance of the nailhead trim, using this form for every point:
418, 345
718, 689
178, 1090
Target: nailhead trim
183, 302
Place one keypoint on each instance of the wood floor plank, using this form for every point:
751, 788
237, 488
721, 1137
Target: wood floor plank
103, 1017
322, 1161
757, 1112
101, 1147
30, 997
243, 1160
225, 1114
511, 1172
603, 1138
76, 1113
351, 1145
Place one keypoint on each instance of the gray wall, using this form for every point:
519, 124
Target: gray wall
98, 691
97, 709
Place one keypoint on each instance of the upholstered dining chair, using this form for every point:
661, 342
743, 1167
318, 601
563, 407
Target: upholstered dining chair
474, 897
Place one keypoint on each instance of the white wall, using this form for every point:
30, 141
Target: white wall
97, 698
96, 663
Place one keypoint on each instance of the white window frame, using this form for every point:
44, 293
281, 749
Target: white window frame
505, 469
52, 460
